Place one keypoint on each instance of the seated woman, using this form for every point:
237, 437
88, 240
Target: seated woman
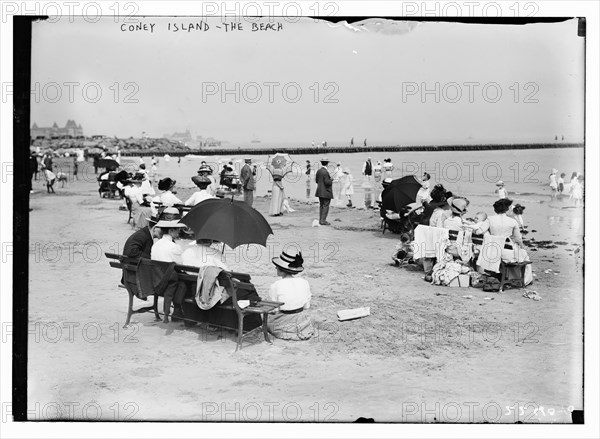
458, 207
503, 225
167, 250
168, 197
290, 322
203, 194
437, 210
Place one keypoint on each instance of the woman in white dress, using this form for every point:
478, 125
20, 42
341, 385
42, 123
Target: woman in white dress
277, 191
291, 322
503, 225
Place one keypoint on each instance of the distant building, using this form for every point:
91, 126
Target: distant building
179, 137
70, 129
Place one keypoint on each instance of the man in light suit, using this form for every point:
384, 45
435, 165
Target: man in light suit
247, 174
324, 192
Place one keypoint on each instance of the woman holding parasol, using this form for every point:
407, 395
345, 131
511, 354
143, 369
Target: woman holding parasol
277, 166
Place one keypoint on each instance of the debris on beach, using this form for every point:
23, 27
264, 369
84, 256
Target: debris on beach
529, 294
467, 297
368, 276
351, 314
315, 223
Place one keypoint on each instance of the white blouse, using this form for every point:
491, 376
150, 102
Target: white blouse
293, 291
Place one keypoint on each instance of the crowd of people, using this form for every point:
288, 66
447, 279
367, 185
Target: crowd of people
160, 236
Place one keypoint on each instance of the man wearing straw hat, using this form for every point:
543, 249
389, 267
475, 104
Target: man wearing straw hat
324, 192
247, 174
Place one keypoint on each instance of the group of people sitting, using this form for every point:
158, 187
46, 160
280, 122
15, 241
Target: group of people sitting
444, 212
166, 239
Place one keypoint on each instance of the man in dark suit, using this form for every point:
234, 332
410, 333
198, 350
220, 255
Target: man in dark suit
324, 191
247, 174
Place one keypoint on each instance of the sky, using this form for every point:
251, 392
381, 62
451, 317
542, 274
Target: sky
389, 82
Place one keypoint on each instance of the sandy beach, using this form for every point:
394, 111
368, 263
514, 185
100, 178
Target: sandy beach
425, 354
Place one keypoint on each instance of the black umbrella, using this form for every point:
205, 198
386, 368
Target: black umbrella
400, 193
228, 221
108, 164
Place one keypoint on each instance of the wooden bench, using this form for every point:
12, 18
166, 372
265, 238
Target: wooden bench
232, 281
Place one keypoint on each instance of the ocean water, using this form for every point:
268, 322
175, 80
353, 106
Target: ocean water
471, 174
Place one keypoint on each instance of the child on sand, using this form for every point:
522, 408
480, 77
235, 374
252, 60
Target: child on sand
348, 186
501, 190
561, 183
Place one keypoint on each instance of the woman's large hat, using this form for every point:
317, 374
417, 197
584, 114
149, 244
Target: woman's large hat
288, 263
166, 183
201, 181
205, 168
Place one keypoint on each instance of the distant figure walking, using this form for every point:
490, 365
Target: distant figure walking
553, 181
365, 142
367, 169
388, 168
247, 174
336, 187
352, 141
323, 192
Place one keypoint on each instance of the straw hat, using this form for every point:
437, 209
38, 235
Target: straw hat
170, 224
458, 205
324, 160
500, 183
248, 160
170, 214
288, 263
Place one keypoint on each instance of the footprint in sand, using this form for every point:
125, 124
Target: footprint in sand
147, 371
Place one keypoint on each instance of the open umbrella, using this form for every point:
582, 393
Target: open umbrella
280, 160
108, 164
400, 193
228, 221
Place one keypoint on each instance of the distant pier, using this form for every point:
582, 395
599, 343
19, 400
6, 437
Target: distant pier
350, 150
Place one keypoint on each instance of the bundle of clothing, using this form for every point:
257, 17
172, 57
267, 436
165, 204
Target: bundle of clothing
446, 270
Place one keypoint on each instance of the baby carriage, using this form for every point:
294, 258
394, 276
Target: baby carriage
107, 182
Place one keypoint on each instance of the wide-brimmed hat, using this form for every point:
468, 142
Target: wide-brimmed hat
324, 160
170, 214
170, 224
166, 183
458, 205
201, 181
289, 263
500, 183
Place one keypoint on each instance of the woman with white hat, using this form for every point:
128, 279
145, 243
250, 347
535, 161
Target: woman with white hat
291, 322
553, 182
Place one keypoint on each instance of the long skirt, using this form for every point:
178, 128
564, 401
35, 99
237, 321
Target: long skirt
291, 326
277, 197
518, 255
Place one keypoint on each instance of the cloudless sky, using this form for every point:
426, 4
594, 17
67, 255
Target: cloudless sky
364, 68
